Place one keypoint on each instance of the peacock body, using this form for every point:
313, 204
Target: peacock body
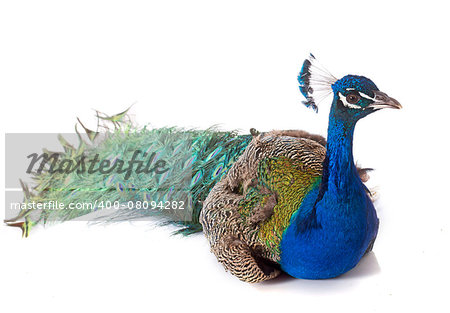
267, 202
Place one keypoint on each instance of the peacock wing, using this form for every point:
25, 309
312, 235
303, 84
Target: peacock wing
246, 213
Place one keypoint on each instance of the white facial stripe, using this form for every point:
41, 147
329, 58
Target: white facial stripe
361, 94
348, 105
366, 96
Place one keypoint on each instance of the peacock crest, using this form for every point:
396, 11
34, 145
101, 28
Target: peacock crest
315, 82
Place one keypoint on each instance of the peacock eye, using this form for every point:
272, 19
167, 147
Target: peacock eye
352, 98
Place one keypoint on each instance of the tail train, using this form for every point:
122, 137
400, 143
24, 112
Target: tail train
132, 173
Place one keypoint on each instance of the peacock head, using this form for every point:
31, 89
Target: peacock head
357, 96
354, 96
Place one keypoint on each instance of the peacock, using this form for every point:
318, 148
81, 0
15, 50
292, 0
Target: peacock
268, 202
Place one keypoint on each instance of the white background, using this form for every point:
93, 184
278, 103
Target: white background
233, 63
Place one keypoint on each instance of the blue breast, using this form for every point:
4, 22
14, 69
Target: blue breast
329, 240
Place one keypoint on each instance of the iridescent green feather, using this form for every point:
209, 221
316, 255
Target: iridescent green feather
290, 181
194, 161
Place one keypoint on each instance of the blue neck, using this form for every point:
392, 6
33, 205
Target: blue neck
340, 180
336, 220
339, 171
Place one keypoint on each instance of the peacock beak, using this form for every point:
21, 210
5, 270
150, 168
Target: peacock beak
382, 100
